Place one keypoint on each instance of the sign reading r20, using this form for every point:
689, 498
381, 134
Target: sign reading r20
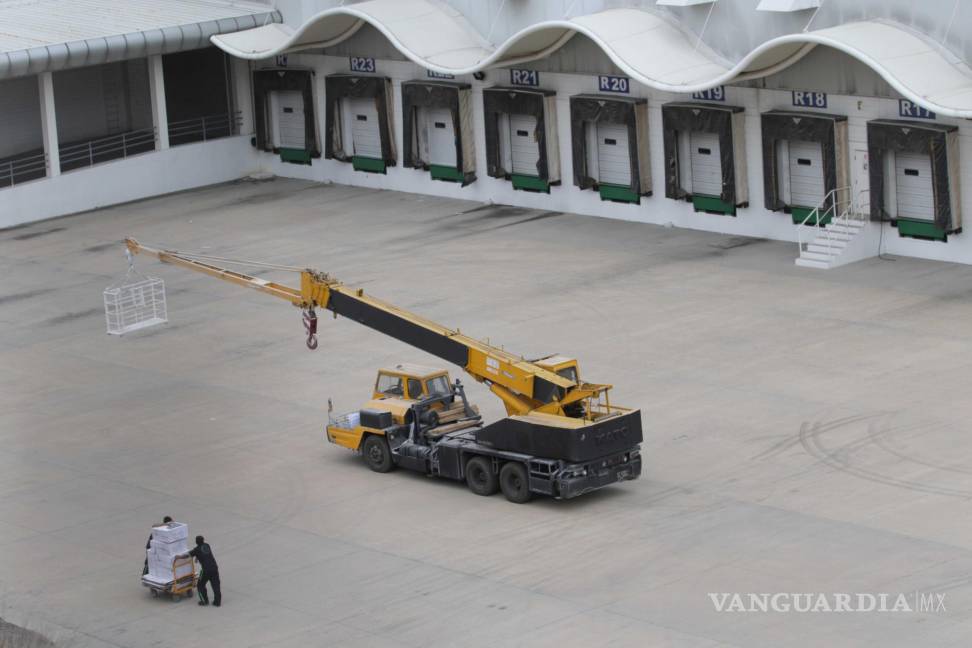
362, 64
613, 84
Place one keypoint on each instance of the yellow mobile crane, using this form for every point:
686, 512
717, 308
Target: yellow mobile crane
562, 438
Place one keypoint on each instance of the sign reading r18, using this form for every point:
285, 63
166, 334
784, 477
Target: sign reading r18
712, 94
525, 78
809, 99
613, 84
362, 64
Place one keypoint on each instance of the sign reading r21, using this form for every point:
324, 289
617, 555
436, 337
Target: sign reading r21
717, 93
362, 64
806, 99
613, 84
525, 78
911, 109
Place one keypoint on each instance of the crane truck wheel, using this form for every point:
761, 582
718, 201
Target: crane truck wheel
376, 453
480, 476
515, 483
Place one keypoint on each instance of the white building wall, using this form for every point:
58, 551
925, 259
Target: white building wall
149, 174
753, 221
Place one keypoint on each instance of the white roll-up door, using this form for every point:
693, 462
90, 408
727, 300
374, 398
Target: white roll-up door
913, 180
706, 163
806, 174
365, 132
524, 148
613, 157
287, 110
442, 137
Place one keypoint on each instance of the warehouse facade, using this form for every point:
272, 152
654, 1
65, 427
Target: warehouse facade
637, 112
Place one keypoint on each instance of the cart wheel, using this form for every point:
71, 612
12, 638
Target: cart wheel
155, 593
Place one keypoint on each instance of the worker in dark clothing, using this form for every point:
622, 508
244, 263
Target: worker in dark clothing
210, 571
148, 545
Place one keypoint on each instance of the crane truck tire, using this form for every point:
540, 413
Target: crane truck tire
377, 454
480, 476
515, 483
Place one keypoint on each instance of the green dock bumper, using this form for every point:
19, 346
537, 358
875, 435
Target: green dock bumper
530, 183
618, 193
367, 164
446, 173
800, 214
713, 204
921, 229
295, 156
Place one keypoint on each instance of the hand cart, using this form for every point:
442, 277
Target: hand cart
180, 585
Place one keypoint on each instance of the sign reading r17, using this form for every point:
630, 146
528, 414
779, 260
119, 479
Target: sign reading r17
911, 109
806, 99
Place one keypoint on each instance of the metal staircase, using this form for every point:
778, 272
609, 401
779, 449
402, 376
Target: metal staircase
836, 232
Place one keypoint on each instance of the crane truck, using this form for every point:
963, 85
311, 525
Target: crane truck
562, 437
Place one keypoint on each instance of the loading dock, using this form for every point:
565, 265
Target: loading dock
358, 122
705, 156
914, 177
610, 146
521, 137
284, 113
438, 130
805, 157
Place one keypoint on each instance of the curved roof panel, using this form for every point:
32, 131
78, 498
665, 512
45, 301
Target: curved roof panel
44, 35
648, 47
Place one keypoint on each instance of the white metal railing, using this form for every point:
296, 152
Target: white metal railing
22, 169
202, 129
104, 149
839, 207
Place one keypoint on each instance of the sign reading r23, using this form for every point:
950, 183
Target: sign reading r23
362, 64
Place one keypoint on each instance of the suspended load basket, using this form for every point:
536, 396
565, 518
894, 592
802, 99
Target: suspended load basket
135, 302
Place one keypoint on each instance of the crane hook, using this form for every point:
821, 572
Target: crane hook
310, 325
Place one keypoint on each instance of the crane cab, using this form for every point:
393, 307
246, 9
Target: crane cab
562, 366
398, 388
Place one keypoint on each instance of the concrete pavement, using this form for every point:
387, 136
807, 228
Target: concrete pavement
806, 432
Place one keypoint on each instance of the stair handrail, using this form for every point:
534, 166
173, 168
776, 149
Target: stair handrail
830, 204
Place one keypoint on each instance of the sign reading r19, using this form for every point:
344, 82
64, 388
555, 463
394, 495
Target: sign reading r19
613, 84
362, 64
525, 78
806, 99
717, 93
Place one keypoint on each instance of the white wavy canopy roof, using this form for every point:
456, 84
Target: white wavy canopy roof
647, 47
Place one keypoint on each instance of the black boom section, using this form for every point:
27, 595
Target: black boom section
599, 439
399, 328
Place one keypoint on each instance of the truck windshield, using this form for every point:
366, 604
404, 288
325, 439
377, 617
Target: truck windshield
438, 386
390, 385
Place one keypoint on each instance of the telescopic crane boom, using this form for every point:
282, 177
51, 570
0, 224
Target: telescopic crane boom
549, 385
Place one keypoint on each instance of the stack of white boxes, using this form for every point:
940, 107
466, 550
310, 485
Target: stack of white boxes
168, 541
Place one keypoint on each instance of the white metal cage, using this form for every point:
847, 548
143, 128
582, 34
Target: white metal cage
134, 303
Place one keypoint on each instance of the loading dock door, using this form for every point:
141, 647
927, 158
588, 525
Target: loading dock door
288, 119
442, 138
706, 160
613, 158
365, 131
524, 148
806, 174
913, 186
